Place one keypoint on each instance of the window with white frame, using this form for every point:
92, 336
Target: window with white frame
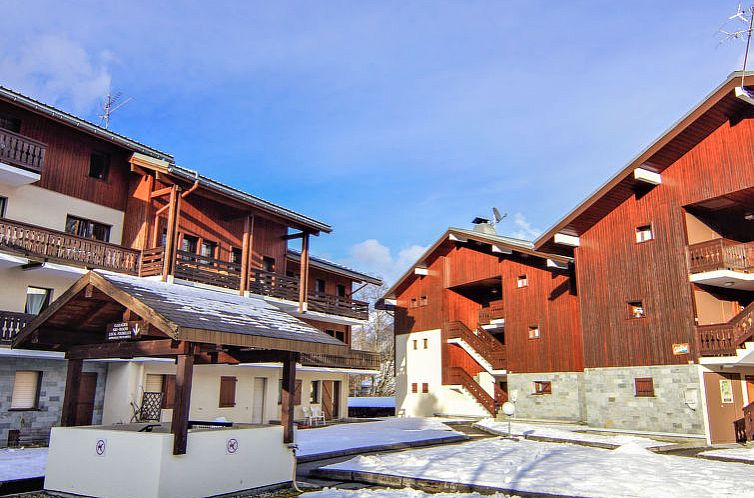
26, 390
644, 233
37, 299
534, 332
522, 281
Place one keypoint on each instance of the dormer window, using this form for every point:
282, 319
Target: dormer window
522, 281
644, 233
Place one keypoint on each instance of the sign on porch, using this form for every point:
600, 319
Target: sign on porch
125, 330
680, 349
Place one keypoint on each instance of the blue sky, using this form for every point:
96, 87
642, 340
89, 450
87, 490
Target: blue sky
389, 120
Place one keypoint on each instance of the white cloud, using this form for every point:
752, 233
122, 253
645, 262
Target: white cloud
56, 70
522, 229
373, 257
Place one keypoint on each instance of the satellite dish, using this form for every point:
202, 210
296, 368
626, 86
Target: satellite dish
498, 217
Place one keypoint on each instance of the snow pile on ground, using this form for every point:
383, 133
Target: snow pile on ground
392, 493
742, 454
22, 463
368, 434
563, 469
565, 433
371, 402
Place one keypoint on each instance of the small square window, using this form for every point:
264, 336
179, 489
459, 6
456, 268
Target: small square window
423, 301
644, 387
99, 165
533, 332
636, 309
644, 233
542, 387
522, 281
414, 387
340, 290
189, 243
26, 390
413, 302
416, 344
208, 249
426, 343
425, 387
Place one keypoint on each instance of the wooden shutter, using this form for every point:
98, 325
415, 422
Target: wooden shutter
25, 390
153, 383
227, 392
425, 387
297, 393
168, 392
644, 387
414, 387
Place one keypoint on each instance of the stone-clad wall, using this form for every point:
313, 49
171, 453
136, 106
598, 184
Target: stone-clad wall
50, 393
565, 403
612, 403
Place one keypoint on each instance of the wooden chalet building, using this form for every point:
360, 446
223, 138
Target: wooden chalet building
75, 196
657, 331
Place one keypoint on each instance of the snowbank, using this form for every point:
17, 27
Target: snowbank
565, 433
369, 434
391, 493
371, 402
742, 454
22, 463
564, 469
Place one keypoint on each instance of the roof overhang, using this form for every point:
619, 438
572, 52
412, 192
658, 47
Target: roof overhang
329, 266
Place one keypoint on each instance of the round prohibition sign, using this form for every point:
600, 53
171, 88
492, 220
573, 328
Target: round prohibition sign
100, 447
231, 445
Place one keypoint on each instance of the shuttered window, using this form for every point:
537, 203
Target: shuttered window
414, 387
26, 390
644, 387
153, 383
227, 392
425, 387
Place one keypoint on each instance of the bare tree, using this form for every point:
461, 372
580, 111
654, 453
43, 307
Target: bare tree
377, 335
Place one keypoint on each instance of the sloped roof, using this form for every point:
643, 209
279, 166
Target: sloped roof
331, 266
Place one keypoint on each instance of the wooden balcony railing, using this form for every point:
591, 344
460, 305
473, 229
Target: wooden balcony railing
11, 324
46, 244
23, 152
494, 311
723, 339
273, 284
480, 341
721, 254
206, 270
152, 261
354, 358
457, 376
337, 305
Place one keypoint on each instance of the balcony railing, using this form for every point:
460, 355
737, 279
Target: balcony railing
354, 358
721, 254
22, 152
46, 244
206, 270
337, 305
494, 311
723, 339
11, 324
273, 284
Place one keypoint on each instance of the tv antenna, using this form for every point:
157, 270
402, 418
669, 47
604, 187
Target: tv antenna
738, 34
111, 103
497, 217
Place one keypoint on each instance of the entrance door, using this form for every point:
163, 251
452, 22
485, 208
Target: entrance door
724, 405
336, 399
258, 400
327, 399
85, 402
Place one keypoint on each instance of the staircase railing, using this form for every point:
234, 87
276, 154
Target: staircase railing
744, 427
480, 341
457, 376
725, 338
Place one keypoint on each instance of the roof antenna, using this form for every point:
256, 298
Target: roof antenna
738, 34
110, 104
484, 225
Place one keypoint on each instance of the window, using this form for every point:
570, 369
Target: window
414, 387
99, 165
26, 390
37, 299
416, 344
227, 392
636, 309
165, 384
644, 387
3, 206
542, 387
87, 229
533, 332
268, 264
425, 387
426, 343
413, 302
314, 393
9, 123
644, 233
319, 286
338, 334
423, 301
340, 290
522, 281
236, 256
189, 243
208, 249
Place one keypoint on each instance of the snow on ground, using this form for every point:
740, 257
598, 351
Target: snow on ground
564, 469
566, 433
392, 493
743, 454
365, 434
371, 402
22, 463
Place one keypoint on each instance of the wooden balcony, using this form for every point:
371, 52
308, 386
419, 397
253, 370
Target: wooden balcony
495, 311
723, 339
22, 152
11, 324
354, 358
721, 254
211, 271
51, 245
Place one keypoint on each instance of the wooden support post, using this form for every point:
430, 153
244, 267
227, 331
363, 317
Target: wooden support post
71, 396
248, 227
183, 378
289, 394
303, 281
171, 245
147, 214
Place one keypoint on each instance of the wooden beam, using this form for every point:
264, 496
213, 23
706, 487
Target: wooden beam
293, 236
172, 233
161, 192
128, 349
71, 396
183, 378
147, 213
248, 227
288, 397
303, 281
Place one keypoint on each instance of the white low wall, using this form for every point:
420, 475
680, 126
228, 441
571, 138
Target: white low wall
142, 464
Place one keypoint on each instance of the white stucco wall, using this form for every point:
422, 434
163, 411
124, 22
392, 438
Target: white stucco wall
425, 366
15, 281
45, 208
